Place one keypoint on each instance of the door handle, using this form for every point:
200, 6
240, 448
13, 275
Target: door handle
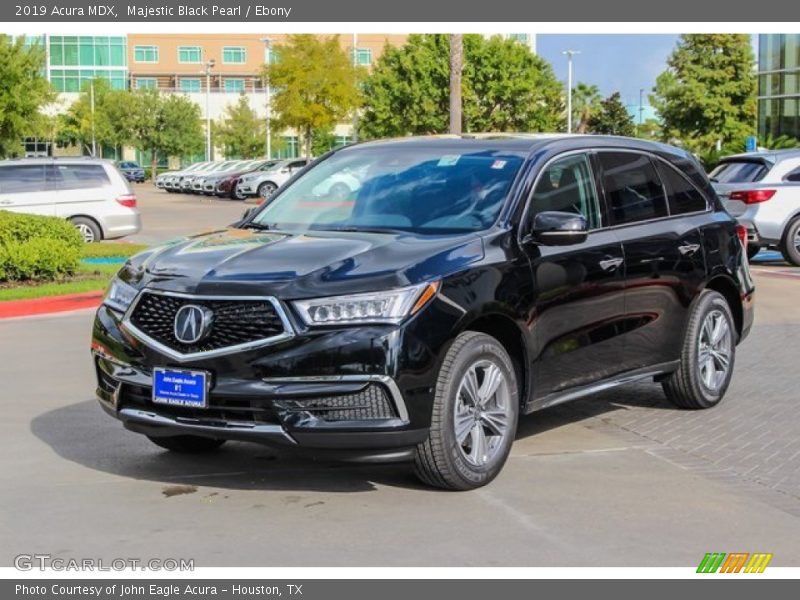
688, 249
6, 202
610, 264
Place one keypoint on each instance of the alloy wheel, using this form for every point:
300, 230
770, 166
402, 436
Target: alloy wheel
86, 232
714, 350
482, 413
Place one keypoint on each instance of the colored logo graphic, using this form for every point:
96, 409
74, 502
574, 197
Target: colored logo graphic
736, 562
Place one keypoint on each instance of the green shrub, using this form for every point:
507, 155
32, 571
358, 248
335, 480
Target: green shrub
37, 247
16, 227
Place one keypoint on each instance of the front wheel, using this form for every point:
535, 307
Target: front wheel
474, 419
790, 245
266, 189
187, 444
707, 358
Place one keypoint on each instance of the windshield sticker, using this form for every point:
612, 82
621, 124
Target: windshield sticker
449, 160
499, 164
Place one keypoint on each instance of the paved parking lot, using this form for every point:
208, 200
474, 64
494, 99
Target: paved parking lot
621, 478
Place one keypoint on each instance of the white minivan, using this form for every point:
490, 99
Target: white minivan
89, 192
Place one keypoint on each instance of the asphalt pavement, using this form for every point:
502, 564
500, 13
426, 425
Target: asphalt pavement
619, 479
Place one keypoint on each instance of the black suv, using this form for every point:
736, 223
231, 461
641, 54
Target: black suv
409, 299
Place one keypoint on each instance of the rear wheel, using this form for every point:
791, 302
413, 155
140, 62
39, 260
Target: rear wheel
266, 189
88, 229
474, 419
790, 245
187, 444
709, 350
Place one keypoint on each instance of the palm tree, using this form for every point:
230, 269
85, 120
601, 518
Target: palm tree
585, 101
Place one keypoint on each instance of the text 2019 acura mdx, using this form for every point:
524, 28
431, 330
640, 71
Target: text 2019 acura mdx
459, 283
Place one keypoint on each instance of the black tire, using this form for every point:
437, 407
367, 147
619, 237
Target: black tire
440, 461
88, 229
266, 189
236, 194
685, 387
789, 243
752, 251
187, 444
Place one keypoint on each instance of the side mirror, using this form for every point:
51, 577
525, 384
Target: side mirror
554, 228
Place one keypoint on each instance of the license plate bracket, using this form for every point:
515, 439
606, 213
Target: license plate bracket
180, 387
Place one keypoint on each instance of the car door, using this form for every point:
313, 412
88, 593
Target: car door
578, 289
26, 188
83, 188
664, 263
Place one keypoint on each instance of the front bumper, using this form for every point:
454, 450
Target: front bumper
283, 394
246, 188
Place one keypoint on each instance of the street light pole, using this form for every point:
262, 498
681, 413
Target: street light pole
569, 54
354, 135
91, 102
209, 65
267, 92
641, 112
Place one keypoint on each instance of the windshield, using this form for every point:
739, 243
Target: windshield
423, 190
739, 172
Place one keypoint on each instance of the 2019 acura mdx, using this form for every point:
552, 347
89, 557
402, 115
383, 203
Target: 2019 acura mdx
460, 283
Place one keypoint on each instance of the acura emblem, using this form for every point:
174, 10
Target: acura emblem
192, 323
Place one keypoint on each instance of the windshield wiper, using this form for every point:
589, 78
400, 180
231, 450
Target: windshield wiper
254, 225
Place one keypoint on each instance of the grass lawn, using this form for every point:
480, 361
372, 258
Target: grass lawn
88, 278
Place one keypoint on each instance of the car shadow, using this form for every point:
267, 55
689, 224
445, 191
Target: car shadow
82, 433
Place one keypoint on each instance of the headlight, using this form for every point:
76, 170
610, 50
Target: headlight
119, 295
376, 307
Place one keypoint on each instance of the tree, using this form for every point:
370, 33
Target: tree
315, 83
612, 118
165, 125
240, 131
708, 92
505, 87
585, 102
23, 93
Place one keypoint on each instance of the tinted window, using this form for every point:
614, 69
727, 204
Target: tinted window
739, 172
76, 177
419, 189
567, 185
633, 189
683, 196
793, 176
23, 178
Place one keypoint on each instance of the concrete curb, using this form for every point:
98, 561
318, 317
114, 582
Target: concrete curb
51, 304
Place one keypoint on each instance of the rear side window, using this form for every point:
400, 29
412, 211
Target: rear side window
745, 171
21, 179
683, 196
76, 177
567, 185
633, 188
793, 176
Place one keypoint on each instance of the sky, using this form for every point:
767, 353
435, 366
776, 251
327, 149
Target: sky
613, 62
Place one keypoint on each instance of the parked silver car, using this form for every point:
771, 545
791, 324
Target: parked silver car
762, 190
264, 183
89, 192
171, 180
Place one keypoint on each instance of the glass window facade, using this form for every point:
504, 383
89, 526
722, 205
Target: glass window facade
779, 85
146, 83
75, 60
363, 57
145, 54
290, 147
189, 85
522, 38
234, 86
234, 55
190, 54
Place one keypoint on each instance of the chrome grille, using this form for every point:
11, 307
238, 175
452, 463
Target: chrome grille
235, 322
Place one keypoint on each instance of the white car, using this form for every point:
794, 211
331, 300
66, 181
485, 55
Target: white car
89, 192
264, 183
762, 190
169, 180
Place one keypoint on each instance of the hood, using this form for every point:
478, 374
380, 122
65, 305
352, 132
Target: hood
301, 265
